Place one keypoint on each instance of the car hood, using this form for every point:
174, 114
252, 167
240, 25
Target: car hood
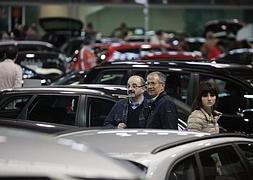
60, 24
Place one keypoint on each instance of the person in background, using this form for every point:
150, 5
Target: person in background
90, 33
86, 58
32, 33
131, 112
211, 48
10, 73
121, 32
163, 113
159, 38
204, 117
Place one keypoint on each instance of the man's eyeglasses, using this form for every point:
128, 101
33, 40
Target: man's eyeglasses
134, 86
153, 83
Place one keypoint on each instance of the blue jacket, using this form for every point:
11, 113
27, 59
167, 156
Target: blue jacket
163, 113
119, 112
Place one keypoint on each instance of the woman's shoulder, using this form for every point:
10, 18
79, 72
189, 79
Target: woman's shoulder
196, 113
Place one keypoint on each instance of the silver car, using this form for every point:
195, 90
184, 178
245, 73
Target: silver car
30, 155
176, 155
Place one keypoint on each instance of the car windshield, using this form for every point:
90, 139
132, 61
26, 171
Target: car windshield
35, 63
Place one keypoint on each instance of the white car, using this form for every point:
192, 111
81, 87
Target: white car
176, 155
30, 155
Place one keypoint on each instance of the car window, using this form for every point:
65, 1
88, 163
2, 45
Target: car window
229, 93
141, 73
222, 163
177, 85
111, 77
39, 63
247, 149
98, 109
54, 109
13, 106
186, 169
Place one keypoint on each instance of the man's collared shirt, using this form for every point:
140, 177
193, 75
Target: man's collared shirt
134, 105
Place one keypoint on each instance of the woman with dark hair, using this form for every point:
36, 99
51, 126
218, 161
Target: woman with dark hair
204, 117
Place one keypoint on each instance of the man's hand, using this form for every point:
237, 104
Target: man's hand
121, 126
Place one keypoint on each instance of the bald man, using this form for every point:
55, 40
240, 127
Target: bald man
131, 112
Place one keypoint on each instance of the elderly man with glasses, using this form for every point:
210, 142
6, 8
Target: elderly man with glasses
163, 113
133, 111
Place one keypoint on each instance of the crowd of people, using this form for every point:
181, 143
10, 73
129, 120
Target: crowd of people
22, 32
154, 110
157, 111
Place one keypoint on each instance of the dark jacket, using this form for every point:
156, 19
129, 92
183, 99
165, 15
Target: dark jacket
163, 113
119, 111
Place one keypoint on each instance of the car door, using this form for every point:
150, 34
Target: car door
97, 108
213, 163
246, 149
11, 106
185, 169
59, 109
217, 164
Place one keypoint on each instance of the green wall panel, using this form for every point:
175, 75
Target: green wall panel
107, 19
195, 19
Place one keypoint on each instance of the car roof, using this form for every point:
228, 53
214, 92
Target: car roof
136, 144
116, 91
231, 71
125, 141
176, 65
29, 153
42, 127
41, 53
25, 42
137, 45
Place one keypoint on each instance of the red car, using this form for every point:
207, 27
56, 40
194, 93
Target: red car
131, 51
118, 51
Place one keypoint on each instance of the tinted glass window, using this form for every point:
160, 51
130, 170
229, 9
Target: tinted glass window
241, 56
41, 63
54, 109
98, 109
111, 77
222, 163
247, 150
186, 169
177, 85
12, 106
142, 73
